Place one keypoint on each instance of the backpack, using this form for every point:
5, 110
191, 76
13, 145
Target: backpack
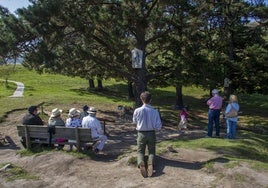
232, 113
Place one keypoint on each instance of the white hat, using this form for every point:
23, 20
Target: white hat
214, 91
73, 112
56, 112
92, 110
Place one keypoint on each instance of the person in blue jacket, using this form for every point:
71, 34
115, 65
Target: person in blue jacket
231, 122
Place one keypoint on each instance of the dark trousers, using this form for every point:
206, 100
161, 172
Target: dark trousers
146, 139
214, 118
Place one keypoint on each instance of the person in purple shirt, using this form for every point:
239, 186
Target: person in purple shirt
215, 105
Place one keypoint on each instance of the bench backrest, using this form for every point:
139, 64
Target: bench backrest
37, 131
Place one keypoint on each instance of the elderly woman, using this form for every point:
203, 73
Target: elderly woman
73, 121
231, 117
74, 118
55, 118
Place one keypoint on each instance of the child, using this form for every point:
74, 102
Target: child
182, 118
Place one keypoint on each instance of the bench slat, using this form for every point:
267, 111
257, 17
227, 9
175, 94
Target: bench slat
31, 132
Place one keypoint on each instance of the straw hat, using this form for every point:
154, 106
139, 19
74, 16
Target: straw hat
73, 112
56, 112
92, 110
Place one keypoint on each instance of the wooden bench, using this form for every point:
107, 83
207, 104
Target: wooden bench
40, 134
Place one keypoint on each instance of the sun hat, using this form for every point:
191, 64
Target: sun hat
31, 109
92, 110
214, 91
73, 112
56, 112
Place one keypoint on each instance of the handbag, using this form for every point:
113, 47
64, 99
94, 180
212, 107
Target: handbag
232, 113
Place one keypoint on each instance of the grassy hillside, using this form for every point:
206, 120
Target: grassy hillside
66, 92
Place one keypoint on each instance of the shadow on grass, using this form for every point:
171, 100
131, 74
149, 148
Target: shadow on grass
162, 162
241, 152
116, 92
253, 147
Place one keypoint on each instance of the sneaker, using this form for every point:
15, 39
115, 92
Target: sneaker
150, 170
143, 169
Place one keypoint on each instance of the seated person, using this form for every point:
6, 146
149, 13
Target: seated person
73, 121
84, 113
32, 117
56, 120
74, 118
96, 130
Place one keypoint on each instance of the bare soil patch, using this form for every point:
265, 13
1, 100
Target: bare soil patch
177, 167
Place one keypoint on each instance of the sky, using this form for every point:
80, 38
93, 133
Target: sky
13, 5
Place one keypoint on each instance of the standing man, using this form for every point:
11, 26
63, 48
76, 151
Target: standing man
215, 105
148, 121
97, 133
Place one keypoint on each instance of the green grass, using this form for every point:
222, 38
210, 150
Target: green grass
34, 151
250, 147
59, 91
6, 90
16, 172
67, 92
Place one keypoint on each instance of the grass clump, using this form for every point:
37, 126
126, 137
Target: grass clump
81, 155
35, 151
132, 161
14, 172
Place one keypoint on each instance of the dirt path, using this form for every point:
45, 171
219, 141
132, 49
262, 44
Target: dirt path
178, 168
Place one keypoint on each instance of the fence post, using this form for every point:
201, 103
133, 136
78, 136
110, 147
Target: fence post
104, 127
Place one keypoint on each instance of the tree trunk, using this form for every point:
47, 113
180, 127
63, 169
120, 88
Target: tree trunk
99, 83
179, 101
130, 90
91, 83
140, 80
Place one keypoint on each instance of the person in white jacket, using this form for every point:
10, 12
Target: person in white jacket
97, 133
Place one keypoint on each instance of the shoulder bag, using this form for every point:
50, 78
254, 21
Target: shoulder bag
232, 113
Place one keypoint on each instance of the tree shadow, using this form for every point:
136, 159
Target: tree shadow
162, 162
9, 144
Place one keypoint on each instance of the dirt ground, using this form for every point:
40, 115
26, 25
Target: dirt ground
175, 167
